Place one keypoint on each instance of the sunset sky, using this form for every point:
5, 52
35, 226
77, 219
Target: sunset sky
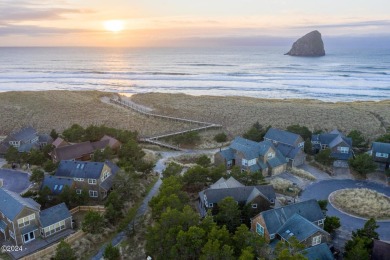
181, 22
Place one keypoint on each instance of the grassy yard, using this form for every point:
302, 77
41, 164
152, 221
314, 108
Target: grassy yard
362, 202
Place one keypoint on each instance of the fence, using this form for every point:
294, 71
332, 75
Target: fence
87, 208
52, 248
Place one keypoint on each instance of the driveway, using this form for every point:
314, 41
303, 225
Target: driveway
322, 189
15, 181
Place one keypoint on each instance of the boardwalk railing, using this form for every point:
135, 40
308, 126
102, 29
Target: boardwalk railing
87, 208
51, 249
154, 139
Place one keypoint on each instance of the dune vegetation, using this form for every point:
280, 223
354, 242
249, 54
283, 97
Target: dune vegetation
362, 202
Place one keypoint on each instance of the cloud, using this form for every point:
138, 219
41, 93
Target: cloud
377, 23
33, 30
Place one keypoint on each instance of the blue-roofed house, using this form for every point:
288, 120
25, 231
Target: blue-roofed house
381, 154
96, 177
300, 219
252, 156
22, 221
289, 144
339, 144
318, 252
56, 184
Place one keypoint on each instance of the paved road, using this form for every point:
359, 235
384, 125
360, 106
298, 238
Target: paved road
15, 181
322, 189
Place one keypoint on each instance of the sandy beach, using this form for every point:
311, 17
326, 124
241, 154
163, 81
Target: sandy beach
60, 109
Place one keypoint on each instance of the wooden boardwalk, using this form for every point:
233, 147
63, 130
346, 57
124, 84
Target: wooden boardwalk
154, 139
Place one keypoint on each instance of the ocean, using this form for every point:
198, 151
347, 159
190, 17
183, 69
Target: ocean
344, 74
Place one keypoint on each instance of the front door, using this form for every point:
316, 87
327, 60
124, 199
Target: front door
28, 237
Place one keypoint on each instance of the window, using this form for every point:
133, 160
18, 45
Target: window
105, 175
382, 155
12, 234
78, 179
320, 222
211, 205
28, 237
343, 149
244, 162
54, 228
270, 155
78, 191
272, 236
230, 163
254, 206
259, 229
300, 145
93, 193
252, 162
22, 222
92, 181
316, 240
323, 146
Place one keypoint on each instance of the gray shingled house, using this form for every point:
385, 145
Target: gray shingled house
318, 252
25, 140
252, 156
381, 154
340, 145
96, 177
22, 221
257, 198
289, 144
303, 220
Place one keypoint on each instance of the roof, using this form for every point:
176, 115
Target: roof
44, 138
332, 139
240, 194
108, 182
378, 147
100, 144
298, 227
288, 151
380, 250
223, 183
277, 160
275, 218
27, 133
73, 151
342, 156
28, 229
79, 169
228, 154
114, 168
111, 140
59, 142
27, 147
282, 136
249, 148
318, 252
54, 214
56, 184
11, 204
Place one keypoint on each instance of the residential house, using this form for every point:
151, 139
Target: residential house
304, 220
252, 156
56, 184
113, 143
318, 252
80, 151
25, 140
340, 145
260, 197
380, 250
59, 142
381, 154
22, 221
289, 144
96, 177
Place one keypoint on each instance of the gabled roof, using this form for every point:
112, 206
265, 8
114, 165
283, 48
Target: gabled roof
380, 250
277, 160
228, 154
282, 136
111, 140
275, 218
332, 139
223, 183
28, 147
288, 151
378, 147
45, 138
27, 133
240, 194
73, 151
11, 204
79, 169
249, 148
54, 214
318, 252
100, 144
298, 227
56, 184
59, 142
108, 182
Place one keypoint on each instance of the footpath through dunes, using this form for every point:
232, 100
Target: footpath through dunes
195, 125
237, 114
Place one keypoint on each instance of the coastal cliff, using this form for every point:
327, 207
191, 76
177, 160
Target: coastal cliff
310, 45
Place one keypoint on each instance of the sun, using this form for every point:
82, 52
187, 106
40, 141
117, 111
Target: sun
114, 25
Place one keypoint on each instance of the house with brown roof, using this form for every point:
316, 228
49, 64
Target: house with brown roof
113, 143
80, 151
59, 142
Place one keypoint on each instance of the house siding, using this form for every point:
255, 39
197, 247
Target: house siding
259, 219
18, 234
325, 237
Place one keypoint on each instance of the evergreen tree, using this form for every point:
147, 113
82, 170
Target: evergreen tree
93, 222
228, 214
64, 252
363, 164
111, 252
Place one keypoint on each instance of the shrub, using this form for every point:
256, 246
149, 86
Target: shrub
363, 164
324, 157
93, 222
220, 138
111, 252
303, 174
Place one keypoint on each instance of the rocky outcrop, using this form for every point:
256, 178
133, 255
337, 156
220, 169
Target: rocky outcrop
310, 45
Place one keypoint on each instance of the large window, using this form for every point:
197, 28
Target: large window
382, 155
26, 220
54, 228
343, 149
28, 237
259, 229
92, 181
316, 240
244, 162
270, 155
106, 174
93, 193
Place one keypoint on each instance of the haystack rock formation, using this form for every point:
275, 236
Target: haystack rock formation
310, 45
